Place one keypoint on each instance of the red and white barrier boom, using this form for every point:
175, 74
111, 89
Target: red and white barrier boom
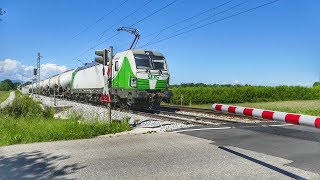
298, 119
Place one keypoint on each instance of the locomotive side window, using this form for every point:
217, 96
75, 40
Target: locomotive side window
142, 61
116, 66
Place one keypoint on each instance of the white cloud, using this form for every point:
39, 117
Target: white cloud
13, 69
47, 70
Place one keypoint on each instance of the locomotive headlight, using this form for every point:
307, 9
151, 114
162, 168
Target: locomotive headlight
133, 82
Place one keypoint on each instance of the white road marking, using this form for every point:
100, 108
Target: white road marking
279, 125
202, 129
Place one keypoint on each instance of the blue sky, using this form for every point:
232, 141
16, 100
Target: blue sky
273, 45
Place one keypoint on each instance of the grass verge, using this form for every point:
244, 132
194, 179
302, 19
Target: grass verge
28, 130
25, 121
4, 95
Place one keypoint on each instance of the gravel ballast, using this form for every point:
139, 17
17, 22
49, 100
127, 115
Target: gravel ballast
99, 113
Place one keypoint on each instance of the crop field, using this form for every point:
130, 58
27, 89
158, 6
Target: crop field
4, 95
292, 99
308, 107
242, 94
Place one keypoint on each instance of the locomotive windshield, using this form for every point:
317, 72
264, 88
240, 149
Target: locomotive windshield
158, 62
144, 61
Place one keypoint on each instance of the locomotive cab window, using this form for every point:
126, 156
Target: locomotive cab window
142, 61
159, 63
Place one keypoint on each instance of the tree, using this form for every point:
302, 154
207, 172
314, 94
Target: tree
6, 85
316, 84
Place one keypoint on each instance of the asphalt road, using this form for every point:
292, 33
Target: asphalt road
296, 143
212, 152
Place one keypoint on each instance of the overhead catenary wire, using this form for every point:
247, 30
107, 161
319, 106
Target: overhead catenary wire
136, 10
100, 19
198, 27
187, 19
184, 20
214, 15
137, 22
153, 13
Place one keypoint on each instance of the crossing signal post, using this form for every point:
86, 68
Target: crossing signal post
103, 59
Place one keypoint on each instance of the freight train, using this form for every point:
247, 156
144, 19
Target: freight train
140, 79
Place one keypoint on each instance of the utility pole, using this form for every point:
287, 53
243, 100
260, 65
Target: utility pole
38, 75
110, 81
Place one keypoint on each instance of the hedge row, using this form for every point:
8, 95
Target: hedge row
241, 94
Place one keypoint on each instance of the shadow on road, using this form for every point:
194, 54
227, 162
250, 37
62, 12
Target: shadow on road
35, 165
279, 170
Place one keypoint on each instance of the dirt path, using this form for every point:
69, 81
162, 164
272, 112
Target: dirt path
8, 100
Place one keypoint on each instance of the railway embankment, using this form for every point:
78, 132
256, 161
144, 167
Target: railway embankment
94, 112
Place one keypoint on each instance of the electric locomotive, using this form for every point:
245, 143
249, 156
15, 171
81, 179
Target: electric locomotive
140, 79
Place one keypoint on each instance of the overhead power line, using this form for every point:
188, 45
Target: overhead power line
214, 15
153, 13
187, 19
100, 19
201, 13
137, 22
198, 27
136, 10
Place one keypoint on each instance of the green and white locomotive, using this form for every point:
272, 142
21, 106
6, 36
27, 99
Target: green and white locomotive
140, 79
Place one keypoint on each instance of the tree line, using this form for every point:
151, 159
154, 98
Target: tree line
8, 85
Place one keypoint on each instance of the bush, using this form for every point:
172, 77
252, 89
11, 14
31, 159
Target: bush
23, 106
26, 121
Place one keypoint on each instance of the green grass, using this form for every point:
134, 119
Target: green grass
28, 130
25, 121
4, 95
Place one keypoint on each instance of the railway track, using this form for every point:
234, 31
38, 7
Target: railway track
188, 109
175, 108
169, 113
182, 118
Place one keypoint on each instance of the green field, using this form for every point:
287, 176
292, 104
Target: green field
4, 95
308, 107
24, 121
242, 94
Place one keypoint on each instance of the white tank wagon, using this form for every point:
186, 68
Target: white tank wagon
41, 84
65, 79
46, 84
54, 82
88, 79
